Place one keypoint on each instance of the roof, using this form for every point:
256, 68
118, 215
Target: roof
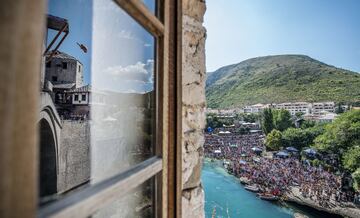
64, 86
62, 55
86, 88
257, 105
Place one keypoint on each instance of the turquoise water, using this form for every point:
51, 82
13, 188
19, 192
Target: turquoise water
225, 192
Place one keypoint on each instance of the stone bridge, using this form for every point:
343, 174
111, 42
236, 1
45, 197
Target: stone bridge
64, 150
50, 130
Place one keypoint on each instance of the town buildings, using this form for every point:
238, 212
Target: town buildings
256, 108
305, 108
317, 111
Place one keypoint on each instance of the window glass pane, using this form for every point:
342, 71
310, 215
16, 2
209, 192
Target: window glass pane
123, 78
64, 120
97, 112
137, 203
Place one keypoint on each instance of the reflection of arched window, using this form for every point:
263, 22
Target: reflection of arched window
48, 176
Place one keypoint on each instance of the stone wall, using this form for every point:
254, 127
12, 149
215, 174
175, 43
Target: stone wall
193, 106
71, 74
74, 154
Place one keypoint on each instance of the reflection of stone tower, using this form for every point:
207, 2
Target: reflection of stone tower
64, 69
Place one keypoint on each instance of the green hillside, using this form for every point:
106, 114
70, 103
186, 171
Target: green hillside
281, 78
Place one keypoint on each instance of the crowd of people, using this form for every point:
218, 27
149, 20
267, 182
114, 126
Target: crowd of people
273, 175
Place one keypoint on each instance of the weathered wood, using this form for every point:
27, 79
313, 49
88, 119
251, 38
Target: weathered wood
179, 130
87, 201
170, 63
21, 22
137, 10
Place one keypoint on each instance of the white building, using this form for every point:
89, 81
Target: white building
81, 95
256, 108
327, 117
319, 107
295, 107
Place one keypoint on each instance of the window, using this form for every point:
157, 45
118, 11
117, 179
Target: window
54, 78
129, 140
48, 64
64, 65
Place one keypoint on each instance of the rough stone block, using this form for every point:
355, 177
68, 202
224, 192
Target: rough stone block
194, 8
193, 117
193, 203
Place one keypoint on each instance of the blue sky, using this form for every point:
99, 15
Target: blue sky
120, 52
327, 30
79, 15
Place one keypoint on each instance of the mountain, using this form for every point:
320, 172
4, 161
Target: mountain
280, 78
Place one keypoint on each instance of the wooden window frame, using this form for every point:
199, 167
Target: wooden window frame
166, 165
22, 41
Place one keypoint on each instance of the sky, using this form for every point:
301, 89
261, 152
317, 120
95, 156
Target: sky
120, 53
327, 30
79, 16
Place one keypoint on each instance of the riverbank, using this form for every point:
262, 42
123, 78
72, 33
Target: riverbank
348, 210
224, 192
274, 177
294, 196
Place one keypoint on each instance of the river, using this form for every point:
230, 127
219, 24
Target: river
224, 192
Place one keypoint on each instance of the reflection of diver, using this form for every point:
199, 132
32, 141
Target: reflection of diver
82, 47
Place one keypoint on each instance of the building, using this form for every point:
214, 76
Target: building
295, 107
323, 117
65, 83
327, 117
256, 108
306, 108
80, 96
62, 68
319, 107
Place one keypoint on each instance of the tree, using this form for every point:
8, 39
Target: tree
342, 134
299, 115
356, 178
267, 124
250, 118
300, 138
342, 137
213, 121
339, 109
297, 138
282, 119
274, 140
351, 159
307, 124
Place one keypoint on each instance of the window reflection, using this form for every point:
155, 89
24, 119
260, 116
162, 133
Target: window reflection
64, 121
97, 111
123, 78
